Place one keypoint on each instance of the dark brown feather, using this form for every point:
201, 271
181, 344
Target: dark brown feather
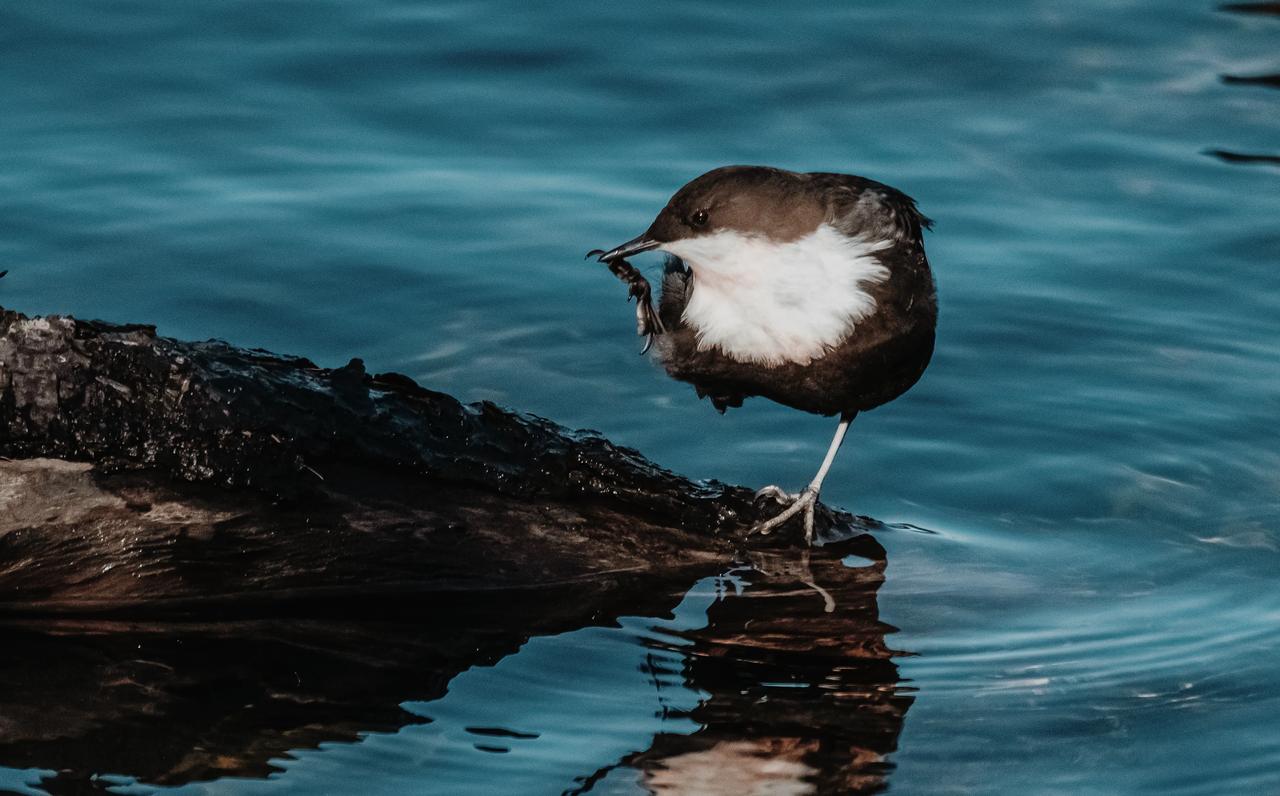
882, 357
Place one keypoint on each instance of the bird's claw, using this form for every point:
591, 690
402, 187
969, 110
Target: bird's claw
775, 493
648, 324
806, 501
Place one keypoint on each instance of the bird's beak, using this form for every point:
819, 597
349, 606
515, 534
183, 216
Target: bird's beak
642, 243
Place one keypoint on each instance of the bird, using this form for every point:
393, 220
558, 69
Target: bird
810, 289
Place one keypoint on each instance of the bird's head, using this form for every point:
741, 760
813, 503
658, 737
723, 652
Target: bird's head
722, 207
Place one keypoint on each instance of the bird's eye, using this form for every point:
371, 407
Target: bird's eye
698, 219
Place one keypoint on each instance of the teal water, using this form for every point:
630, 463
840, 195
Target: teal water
1094, 449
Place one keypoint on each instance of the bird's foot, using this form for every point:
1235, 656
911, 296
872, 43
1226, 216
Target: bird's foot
805, 501
776, 493
648, 324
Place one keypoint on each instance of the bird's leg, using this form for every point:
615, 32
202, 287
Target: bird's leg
807, 499
648, 323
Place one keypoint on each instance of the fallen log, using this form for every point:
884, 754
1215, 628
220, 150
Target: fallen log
154, 476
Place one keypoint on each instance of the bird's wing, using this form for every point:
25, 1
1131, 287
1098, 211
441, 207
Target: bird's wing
870, 209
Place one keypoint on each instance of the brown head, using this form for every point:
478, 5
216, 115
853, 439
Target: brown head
751, 200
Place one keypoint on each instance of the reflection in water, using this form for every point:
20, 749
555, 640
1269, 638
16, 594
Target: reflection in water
777, 677
804, 693
171, 705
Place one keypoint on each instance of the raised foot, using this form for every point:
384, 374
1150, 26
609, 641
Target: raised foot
806, 501
648, 324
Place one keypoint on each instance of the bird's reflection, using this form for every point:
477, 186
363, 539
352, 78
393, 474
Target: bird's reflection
804, 691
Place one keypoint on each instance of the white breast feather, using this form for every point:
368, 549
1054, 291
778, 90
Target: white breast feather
767, 302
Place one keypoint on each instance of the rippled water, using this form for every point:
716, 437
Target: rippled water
1094, 449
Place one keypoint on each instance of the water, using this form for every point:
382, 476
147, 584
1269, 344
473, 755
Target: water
1094, 447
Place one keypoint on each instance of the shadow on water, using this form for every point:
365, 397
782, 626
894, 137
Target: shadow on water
1270, 81
1252, 8
792, 684
1243, 157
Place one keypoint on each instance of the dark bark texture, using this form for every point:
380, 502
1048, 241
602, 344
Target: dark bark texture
149, 475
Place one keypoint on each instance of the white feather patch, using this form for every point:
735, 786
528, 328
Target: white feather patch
758, 300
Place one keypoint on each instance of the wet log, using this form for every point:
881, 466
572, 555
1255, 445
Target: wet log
150, 476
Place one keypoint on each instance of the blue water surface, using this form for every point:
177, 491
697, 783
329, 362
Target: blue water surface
1094, 448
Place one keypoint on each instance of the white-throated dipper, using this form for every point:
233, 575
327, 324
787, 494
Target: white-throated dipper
812, 290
